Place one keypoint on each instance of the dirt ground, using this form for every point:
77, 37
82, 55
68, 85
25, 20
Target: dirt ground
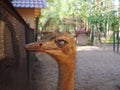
97, 68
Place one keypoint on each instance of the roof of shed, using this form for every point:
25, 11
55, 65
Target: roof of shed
29, 3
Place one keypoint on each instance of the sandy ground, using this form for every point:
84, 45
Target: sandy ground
96, 69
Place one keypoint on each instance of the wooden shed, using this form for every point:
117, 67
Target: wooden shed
15, 32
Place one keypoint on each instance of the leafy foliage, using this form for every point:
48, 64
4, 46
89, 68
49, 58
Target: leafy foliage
95, 13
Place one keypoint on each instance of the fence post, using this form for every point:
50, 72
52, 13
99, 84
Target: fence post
117, 41
114, 41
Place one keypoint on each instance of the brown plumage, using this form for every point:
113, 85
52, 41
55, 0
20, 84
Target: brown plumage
62, 47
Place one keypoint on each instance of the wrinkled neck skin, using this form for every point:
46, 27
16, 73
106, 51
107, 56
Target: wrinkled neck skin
66, 72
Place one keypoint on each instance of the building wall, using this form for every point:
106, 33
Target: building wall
28, 15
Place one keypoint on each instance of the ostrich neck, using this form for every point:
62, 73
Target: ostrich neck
66, 74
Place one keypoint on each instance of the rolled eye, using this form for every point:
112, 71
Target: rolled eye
61, 43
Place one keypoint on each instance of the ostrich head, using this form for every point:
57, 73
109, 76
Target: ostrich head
58, 45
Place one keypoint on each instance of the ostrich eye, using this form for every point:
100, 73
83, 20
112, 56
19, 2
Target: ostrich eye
61, 43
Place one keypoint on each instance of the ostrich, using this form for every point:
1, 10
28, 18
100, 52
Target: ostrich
62, 47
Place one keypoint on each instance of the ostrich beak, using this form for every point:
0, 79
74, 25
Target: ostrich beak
34, 47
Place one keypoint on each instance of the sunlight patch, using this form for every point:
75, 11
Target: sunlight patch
85, 48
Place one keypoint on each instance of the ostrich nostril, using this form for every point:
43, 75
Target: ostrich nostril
40, 44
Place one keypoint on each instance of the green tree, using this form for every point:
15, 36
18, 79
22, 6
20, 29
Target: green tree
67, 14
